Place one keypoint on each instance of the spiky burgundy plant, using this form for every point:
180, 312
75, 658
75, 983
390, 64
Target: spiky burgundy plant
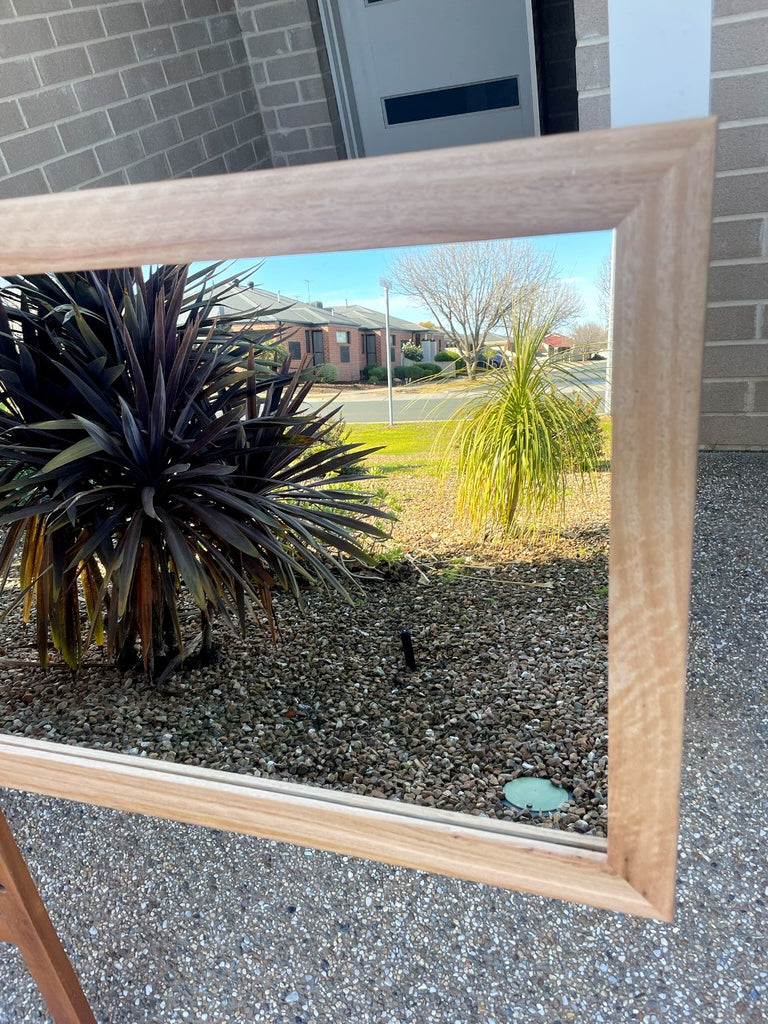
148, 444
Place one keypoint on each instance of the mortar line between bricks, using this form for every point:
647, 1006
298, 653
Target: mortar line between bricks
591, 41
734, 218
745, 261
735, 380
740, 171
731, 343
299, 78
595, 92
733, 19
743, 122
738, 415
740, 72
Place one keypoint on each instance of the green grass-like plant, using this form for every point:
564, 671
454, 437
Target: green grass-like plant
150, 444
376, 374
517, 448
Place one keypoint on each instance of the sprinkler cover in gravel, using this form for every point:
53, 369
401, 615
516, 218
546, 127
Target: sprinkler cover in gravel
535, 794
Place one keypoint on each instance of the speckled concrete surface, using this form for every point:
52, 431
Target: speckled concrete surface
168, 923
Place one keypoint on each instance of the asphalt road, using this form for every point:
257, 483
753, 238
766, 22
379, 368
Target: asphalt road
425, 402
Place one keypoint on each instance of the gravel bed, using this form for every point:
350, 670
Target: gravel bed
510, 648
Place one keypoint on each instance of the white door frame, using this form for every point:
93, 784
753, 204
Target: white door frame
337, 58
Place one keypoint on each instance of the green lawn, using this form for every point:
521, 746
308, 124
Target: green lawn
410, 444
418, 445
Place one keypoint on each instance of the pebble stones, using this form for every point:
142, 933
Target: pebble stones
508, 683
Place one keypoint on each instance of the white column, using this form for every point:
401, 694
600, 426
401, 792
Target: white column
659, 52
660, 57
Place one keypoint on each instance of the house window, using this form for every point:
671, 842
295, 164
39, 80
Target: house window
342, 338
344, 355
314, 342
460, 99
294, 349
369, 349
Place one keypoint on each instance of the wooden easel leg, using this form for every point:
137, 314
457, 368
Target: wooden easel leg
24, 922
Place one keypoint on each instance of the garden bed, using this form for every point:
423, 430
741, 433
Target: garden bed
510, 644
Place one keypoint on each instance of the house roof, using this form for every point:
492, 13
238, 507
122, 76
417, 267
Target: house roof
312, 313
293, 311
285, 309
558, 341
502, 340
375, 320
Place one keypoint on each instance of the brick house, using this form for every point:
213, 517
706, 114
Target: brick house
557, 345
129, 91
401, 331
349, 337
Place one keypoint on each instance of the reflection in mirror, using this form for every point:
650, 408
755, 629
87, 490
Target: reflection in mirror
468, 655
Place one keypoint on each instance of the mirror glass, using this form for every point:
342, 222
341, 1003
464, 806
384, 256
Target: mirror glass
471, 652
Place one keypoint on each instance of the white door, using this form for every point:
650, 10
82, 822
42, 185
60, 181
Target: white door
421, 74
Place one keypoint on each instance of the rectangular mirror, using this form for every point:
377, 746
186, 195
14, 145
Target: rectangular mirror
466, 668
653, 187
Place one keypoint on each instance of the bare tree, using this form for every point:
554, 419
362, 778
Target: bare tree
540, 302
603, 285
474, 288
588, 338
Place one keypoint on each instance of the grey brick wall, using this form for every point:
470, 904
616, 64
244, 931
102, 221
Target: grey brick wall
284, 42
122, 92
735, 396
735, 387
592, 70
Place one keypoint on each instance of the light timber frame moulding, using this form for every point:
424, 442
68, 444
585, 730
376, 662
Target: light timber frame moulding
653, 185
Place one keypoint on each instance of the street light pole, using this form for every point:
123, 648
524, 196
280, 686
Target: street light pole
608, 397
386, 284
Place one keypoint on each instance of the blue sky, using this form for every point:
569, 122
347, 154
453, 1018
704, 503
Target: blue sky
338, 277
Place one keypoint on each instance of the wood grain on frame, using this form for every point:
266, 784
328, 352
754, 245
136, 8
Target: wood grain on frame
659, 310
24, 922
654, 185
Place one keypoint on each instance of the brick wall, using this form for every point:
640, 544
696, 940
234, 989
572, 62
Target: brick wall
292, 77
349, 371
735, 396
735, 387
592, 71
123, 92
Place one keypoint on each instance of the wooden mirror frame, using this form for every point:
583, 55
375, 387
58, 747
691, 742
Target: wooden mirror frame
653, 185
